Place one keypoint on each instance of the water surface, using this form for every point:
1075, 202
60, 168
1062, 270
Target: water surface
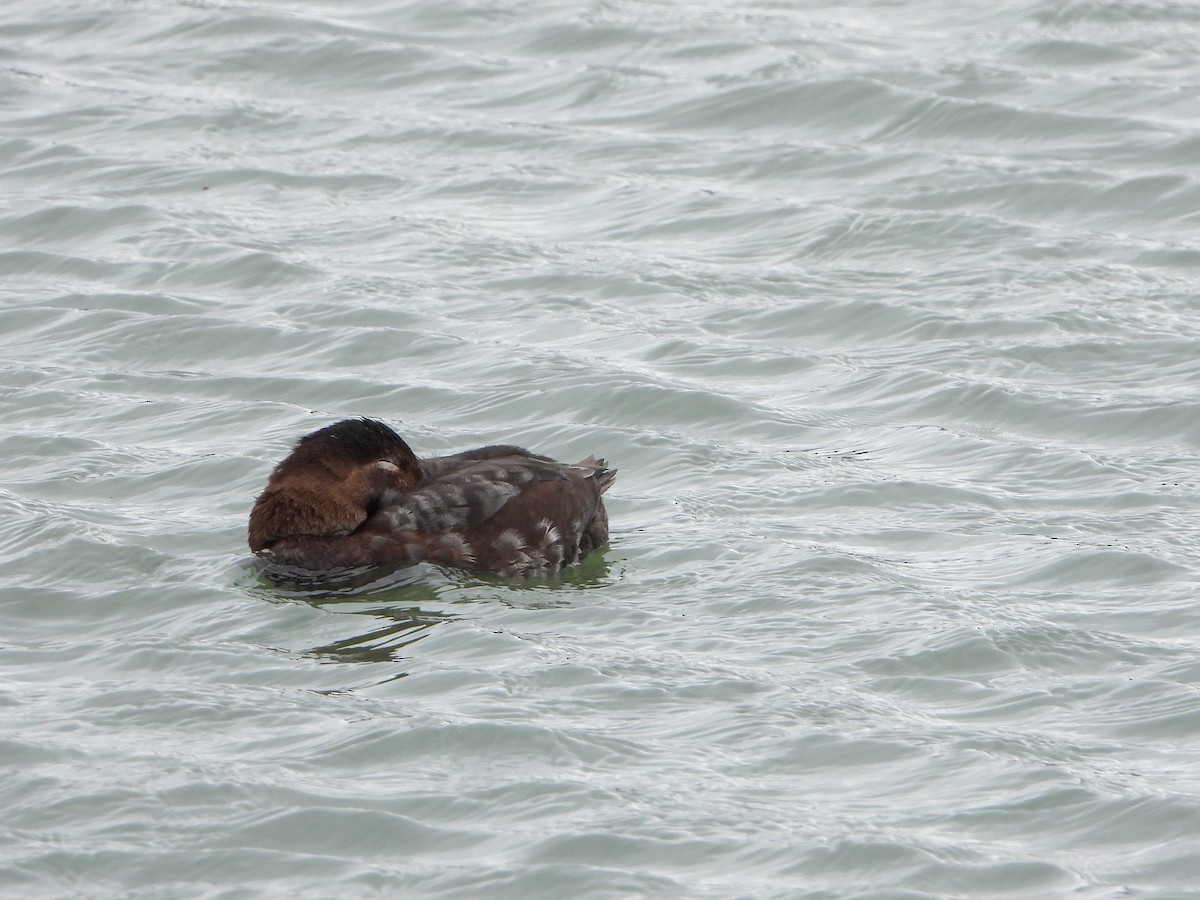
887, 312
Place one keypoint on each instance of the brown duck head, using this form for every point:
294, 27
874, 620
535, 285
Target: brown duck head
332, 481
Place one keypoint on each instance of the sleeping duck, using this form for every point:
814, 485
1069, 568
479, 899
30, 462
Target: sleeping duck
354, 494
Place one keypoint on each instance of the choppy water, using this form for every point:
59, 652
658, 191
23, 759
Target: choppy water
887, 312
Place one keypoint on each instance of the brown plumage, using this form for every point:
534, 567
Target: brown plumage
354, 494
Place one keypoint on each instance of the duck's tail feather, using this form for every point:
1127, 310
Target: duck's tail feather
600, 471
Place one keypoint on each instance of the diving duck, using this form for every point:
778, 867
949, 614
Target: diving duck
355, 494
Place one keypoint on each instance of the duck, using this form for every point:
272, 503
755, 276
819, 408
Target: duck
354, 494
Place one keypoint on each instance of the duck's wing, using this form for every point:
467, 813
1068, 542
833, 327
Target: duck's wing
466, 494
428, 523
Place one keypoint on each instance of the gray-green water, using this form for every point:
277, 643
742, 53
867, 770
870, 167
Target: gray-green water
887, 312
